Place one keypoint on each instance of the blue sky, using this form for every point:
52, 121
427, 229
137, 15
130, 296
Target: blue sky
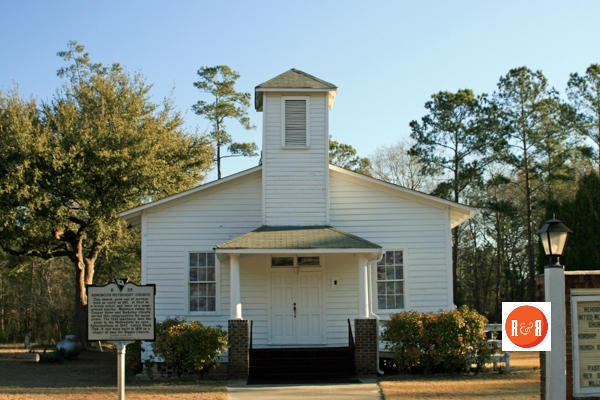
386, 57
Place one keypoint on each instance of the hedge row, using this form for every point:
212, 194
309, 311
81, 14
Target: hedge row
448, 341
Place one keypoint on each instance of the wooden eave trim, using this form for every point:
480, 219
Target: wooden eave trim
299, 251
259, 102
296, 90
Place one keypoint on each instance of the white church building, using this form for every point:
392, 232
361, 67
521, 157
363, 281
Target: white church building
297, 246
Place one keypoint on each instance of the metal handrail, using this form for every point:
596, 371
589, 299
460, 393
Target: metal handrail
251, 323
350, 336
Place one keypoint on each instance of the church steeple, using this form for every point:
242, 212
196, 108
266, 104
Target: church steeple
295, 157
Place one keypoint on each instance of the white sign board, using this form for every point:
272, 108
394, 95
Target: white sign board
585, 311
121, 311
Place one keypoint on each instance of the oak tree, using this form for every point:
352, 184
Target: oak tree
345, 156
69, 165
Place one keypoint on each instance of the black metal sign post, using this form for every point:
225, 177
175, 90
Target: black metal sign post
121, 313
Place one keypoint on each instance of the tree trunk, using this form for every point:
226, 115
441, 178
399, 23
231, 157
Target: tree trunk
530, 258
218, 150
84, 276
80, 315
499, 247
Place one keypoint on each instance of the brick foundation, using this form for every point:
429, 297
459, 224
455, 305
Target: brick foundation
366, 346
573, 280
239, 354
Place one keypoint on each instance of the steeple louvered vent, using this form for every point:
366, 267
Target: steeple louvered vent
295, 123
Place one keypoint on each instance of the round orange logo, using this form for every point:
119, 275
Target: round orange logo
526, 326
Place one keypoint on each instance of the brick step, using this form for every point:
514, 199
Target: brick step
309, 361
301, 365
301, 352
344, 367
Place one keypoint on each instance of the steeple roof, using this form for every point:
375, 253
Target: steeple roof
294, 80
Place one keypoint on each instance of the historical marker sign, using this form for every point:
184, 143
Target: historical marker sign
585, 311
121, 311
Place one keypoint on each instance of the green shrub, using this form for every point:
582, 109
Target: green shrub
54, 356
133, 359
444, 342
189, 346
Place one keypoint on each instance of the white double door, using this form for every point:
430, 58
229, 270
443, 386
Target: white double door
296, 308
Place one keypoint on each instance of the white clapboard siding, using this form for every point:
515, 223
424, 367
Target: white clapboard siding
254, 291
386, 217
197, 222
341, 304
295, 179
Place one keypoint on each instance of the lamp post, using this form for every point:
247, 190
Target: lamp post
554, 236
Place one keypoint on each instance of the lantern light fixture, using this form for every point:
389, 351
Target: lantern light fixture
554, 235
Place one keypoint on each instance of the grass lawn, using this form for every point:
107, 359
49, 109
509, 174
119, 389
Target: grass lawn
522, 383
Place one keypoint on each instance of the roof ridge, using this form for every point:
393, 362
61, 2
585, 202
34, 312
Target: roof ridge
286, 80
313, 77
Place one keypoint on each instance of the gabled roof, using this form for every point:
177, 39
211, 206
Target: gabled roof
459, 213
297, 238
294, 80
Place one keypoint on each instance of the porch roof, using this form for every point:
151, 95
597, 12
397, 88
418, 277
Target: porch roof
299, 239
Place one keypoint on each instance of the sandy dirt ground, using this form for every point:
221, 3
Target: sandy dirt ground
92, 376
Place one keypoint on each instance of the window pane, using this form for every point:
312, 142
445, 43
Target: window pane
399, 301
282, 261
210, 259
382, 261
193, 274
391, 302
211, 305
389, 257
397, 257
399, 272
381, 302
389, 288
212, 289
381, 273
398, 287
389, 272
203, 285
202, 274
194, 304
380, 287
202, 304
210, 274
308, 261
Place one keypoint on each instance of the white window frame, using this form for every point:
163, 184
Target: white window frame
295, 263
375, 292
283, 100
217, 310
